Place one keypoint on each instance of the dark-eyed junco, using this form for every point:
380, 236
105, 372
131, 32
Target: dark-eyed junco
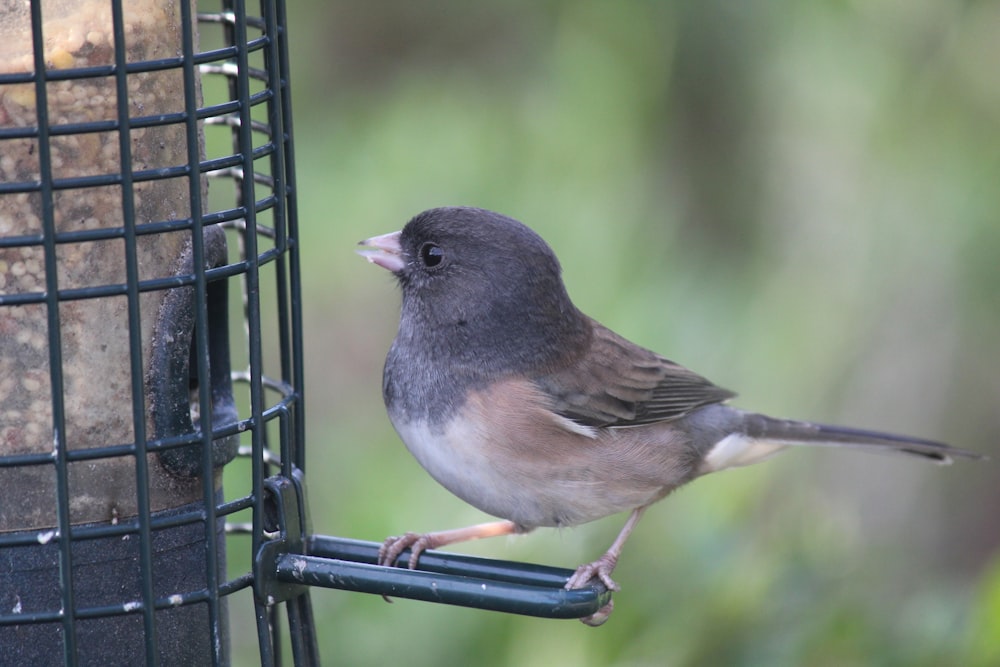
526, 408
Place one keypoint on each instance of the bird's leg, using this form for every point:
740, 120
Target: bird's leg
393, 546
602, 569
605, 565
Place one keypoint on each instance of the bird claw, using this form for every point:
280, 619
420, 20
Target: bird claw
397, 544
600, 568
393, 546
599, 616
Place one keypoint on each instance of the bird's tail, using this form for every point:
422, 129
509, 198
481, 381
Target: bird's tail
761, 436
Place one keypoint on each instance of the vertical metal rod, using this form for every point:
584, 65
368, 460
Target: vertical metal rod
275, 114
299, 610
248, 204
292, 218
59, 443
202, 361
135, 337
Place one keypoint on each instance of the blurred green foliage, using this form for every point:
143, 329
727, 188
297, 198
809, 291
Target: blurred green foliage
799, 200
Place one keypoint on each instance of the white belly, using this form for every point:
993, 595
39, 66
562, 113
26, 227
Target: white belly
566, 480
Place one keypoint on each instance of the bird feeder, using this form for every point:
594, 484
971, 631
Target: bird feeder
148, 203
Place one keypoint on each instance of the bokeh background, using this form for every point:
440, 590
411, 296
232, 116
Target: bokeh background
799, 200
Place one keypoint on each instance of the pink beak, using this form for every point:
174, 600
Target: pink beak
385, 251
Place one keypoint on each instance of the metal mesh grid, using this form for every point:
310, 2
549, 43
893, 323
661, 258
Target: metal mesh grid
190, 97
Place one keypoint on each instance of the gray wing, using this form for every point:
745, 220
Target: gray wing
618, 383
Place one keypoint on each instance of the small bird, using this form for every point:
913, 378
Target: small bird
531, 411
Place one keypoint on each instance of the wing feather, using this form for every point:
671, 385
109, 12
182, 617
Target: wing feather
618, 383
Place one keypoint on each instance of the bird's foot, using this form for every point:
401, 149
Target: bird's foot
393, 546
600, 568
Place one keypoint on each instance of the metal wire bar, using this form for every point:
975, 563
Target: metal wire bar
191, 104
134, 337
54, 340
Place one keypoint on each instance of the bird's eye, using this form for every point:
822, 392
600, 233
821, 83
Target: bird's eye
431, 254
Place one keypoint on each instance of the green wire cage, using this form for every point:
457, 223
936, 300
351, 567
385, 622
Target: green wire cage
147, 209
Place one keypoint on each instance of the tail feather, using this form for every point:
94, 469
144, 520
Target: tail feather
788, 432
